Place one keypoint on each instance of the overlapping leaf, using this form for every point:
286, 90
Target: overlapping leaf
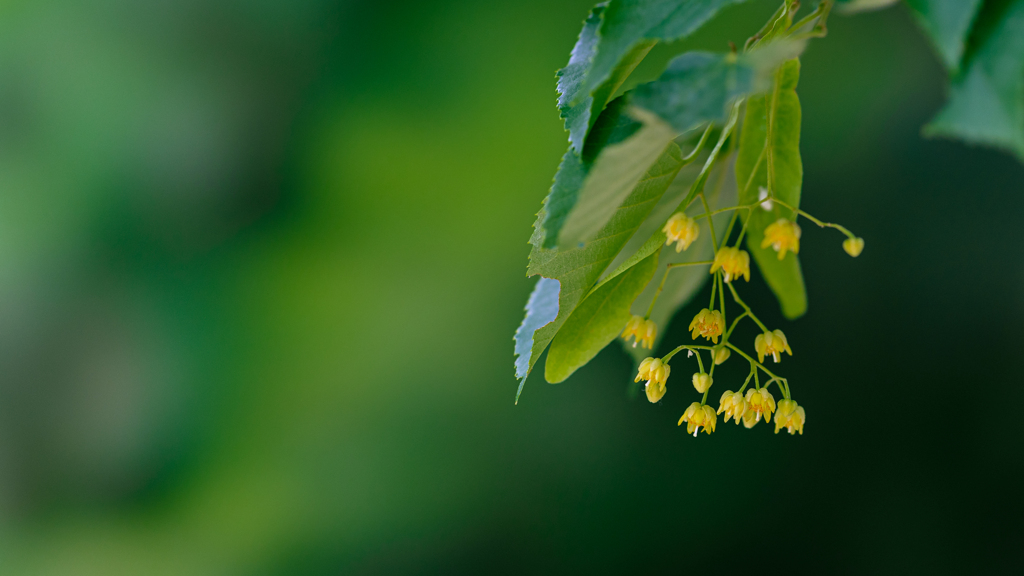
577, 269
683, 283
579, 109
627, 24
541, 309
986, 104
596, 321
947, 23
781, 107
696, 88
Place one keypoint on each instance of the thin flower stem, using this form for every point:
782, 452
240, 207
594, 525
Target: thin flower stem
734, 323
747, 308
714, 288
691, 348
753, 371
681, 264
762, 367
743, 231
822, 11
711, 224
721, 296
815, 220
700, 144
732, 223
665, 277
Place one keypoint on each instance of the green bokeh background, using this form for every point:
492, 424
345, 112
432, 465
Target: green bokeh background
261, 262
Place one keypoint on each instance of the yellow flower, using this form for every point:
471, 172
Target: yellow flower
790, 416
702, 382
721, 355
734, 262
655, 391
853, 246
681, 230
733, 404
708, 324
760, 403
656, 373
782, 235
771, 344
697, 416
642, 331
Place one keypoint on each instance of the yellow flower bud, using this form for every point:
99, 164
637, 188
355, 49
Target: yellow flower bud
721, 355
708, 324
734, 262
853, 246
655, 391
642, 331
790, 416
702, 382
750, 419
771, 344
760, 403
681, 230
696, 416
734, 405
656, 373
782, 235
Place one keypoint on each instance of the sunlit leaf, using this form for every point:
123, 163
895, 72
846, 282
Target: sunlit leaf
577, 269
541, 309
615, 172
683, 283
986, 103
947, 23
596, 321
783, 276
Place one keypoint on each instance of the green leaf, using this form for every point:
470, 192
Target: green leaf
683, 283
579, 117
629, 24
783, 276
986, 103
541, 309
947, 23
597, 321
851, 6
614, 173
695, 89
577, 269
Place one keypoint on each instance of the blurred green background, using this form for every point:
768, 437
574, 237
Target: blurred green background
261, 263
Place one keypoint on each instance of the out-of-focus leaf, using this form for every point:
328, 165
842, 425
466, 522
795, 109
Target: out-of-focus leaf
696, 87
577, 269
627, 24
684, 282
596, 321
579, 117
541, 309
783, 276
986, 103
851, 6
947, 23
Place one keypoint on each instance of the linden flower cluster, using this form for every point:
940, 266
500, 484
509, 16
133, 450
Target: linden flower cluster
749, 404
